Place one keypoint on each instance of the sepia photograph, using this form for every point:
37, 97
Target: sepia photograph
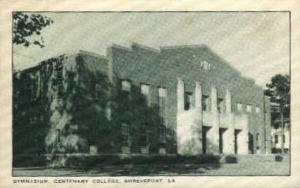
161, 93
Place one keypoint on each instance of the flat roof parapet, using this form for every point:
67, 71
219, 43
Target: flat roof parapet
92, 54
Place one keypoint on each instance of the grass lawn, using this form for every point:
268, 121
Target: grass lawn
245, 166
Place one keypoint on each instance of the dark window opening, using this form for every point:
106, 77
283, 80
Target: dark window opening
251, 143
236, 142
204, 138
187, 101
59, 79
143, 137
205, 103
276, 139
257, 141
58, 135
220, 105
221, 141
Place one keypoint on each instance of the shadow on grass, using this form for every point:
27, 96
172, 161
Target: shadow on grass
133, 166
119, 170
144, 170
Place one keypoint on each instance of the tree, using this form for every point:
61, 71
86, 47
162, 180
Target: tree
26, 25
279, 92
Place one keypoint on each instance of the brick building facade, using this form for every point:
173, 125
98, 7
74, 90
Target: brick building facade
204, 105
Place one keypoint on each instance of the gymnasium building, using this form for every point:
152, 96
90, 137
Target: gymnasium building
205, 105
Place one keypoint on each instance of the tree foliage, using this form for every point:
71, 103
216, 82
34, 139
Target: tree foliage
26, 25
279, 92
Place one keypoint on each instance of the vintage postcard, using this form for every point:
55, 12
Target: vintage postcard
145, 97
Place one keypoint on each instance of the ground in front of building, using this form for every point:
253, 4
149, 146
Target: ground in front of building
248, 165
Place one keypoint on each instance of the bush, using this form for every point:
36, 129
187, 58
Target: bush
102, 160
276, 150
28, 160
231, 159
278, 158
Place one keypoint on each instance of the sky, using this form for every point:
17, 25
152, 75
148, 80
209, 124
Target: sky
255, 43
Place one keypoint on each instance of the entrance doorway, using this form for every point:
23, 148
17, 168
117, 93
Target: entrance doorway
204, 138
250, 143
221, 141
236, 137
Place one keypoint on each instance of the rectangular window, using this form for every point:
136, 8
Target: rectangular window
58, 135
162, 133
249, 108
93, 149
239, 107
276, 139
126, 85
162, 93
145, 91
257, 141
283, 138
187, 101
125, 133
220, 105
257, 110
205, 103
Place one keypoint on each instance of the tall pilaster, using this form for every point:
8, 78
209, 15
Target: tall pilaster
267, 124
198, 97
228, 102
229, 133
213, 97
110, 78
198, 116
243, 137
180, 95
213, 133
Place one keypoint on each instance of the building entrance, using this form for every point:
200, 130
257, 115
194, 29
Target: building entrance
236, 140
221, 139
250, 143
204, 138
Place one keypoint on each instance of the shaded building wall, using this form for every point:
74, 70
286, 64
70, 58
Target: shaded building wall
162, 68
28, 128
141, 66
33, 92
75, 99
54, 96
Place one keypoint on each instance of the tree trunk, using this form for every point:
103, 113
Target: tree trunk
282, 130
